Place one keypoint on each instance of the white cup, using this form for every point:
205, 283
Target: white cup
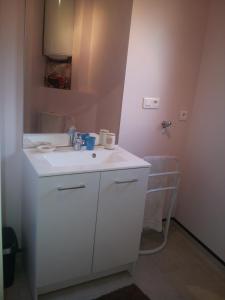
102, 136
110, 140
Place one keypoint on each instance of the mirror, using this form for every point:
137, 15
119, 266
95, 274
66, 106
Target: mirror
77, 82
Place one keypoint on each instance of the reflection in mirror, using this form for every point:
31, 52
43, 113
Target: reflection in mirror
74, 74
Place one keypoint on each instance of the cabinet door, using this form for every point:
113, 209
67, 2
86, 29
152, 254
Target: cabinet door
67, 211
120, 218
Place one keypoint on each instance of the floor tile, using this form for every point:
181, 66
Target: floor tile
183, 270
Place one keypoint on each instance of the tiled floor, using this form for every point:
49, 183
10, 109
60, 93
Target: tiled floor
182, 271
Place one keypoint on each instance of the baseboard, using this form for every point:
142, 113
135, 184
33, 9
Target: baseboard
93, 276
200, 242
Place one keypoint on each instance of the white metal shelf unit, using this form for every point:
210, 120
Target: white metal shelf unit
166, 167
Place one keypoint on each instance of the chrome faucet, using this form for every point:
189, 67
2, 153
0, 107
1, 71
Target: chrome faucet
75, 140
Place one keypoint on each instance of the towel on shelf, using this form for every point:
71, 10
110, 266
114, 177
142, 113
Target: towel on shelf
156, 202
154, 205
153, 212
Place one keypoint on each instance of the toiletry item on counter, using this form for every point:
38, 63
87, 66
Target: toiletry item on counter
96, 137
90, 142
46, 148
83, 137
78, 142
102, 136
110, 140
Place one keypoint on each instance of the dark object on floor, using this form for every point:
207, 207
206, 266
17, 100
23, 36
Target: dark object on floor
131, 292
10, 247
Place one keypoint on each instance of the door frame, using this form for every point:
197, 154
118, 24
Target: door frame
1, 260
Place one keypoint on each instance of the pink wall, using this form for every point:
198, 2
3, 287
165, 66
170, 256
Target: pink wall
99, 61
163, 61
201, 207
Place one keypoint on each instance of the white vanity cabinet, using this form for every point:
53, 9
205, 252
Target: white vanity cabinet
80, 226
66, 216
120, 218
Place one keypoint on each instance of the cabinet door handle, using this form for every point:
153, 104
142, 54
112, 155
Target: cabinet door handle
82, 186
126, 181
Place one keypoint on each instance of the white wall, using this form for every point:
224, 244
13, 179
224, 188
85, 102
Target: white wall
1, 258
11, 37
202, 199
1, 131
1, 266
163, 61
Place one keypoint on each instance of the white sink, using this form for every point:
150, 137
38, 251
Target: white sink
83, 158
67, 161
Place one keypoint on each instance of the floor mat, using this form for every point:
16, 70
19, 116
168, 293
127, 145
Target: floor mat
131, 292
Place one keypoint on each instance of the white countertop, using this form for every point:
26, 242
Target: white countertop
43, 167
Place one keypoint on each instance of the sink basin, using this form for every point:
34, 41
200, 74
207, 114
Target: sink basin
67, 161
83, 158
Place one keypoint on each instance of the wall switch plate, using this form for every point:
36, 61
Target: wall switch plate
183, 115
151, 103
